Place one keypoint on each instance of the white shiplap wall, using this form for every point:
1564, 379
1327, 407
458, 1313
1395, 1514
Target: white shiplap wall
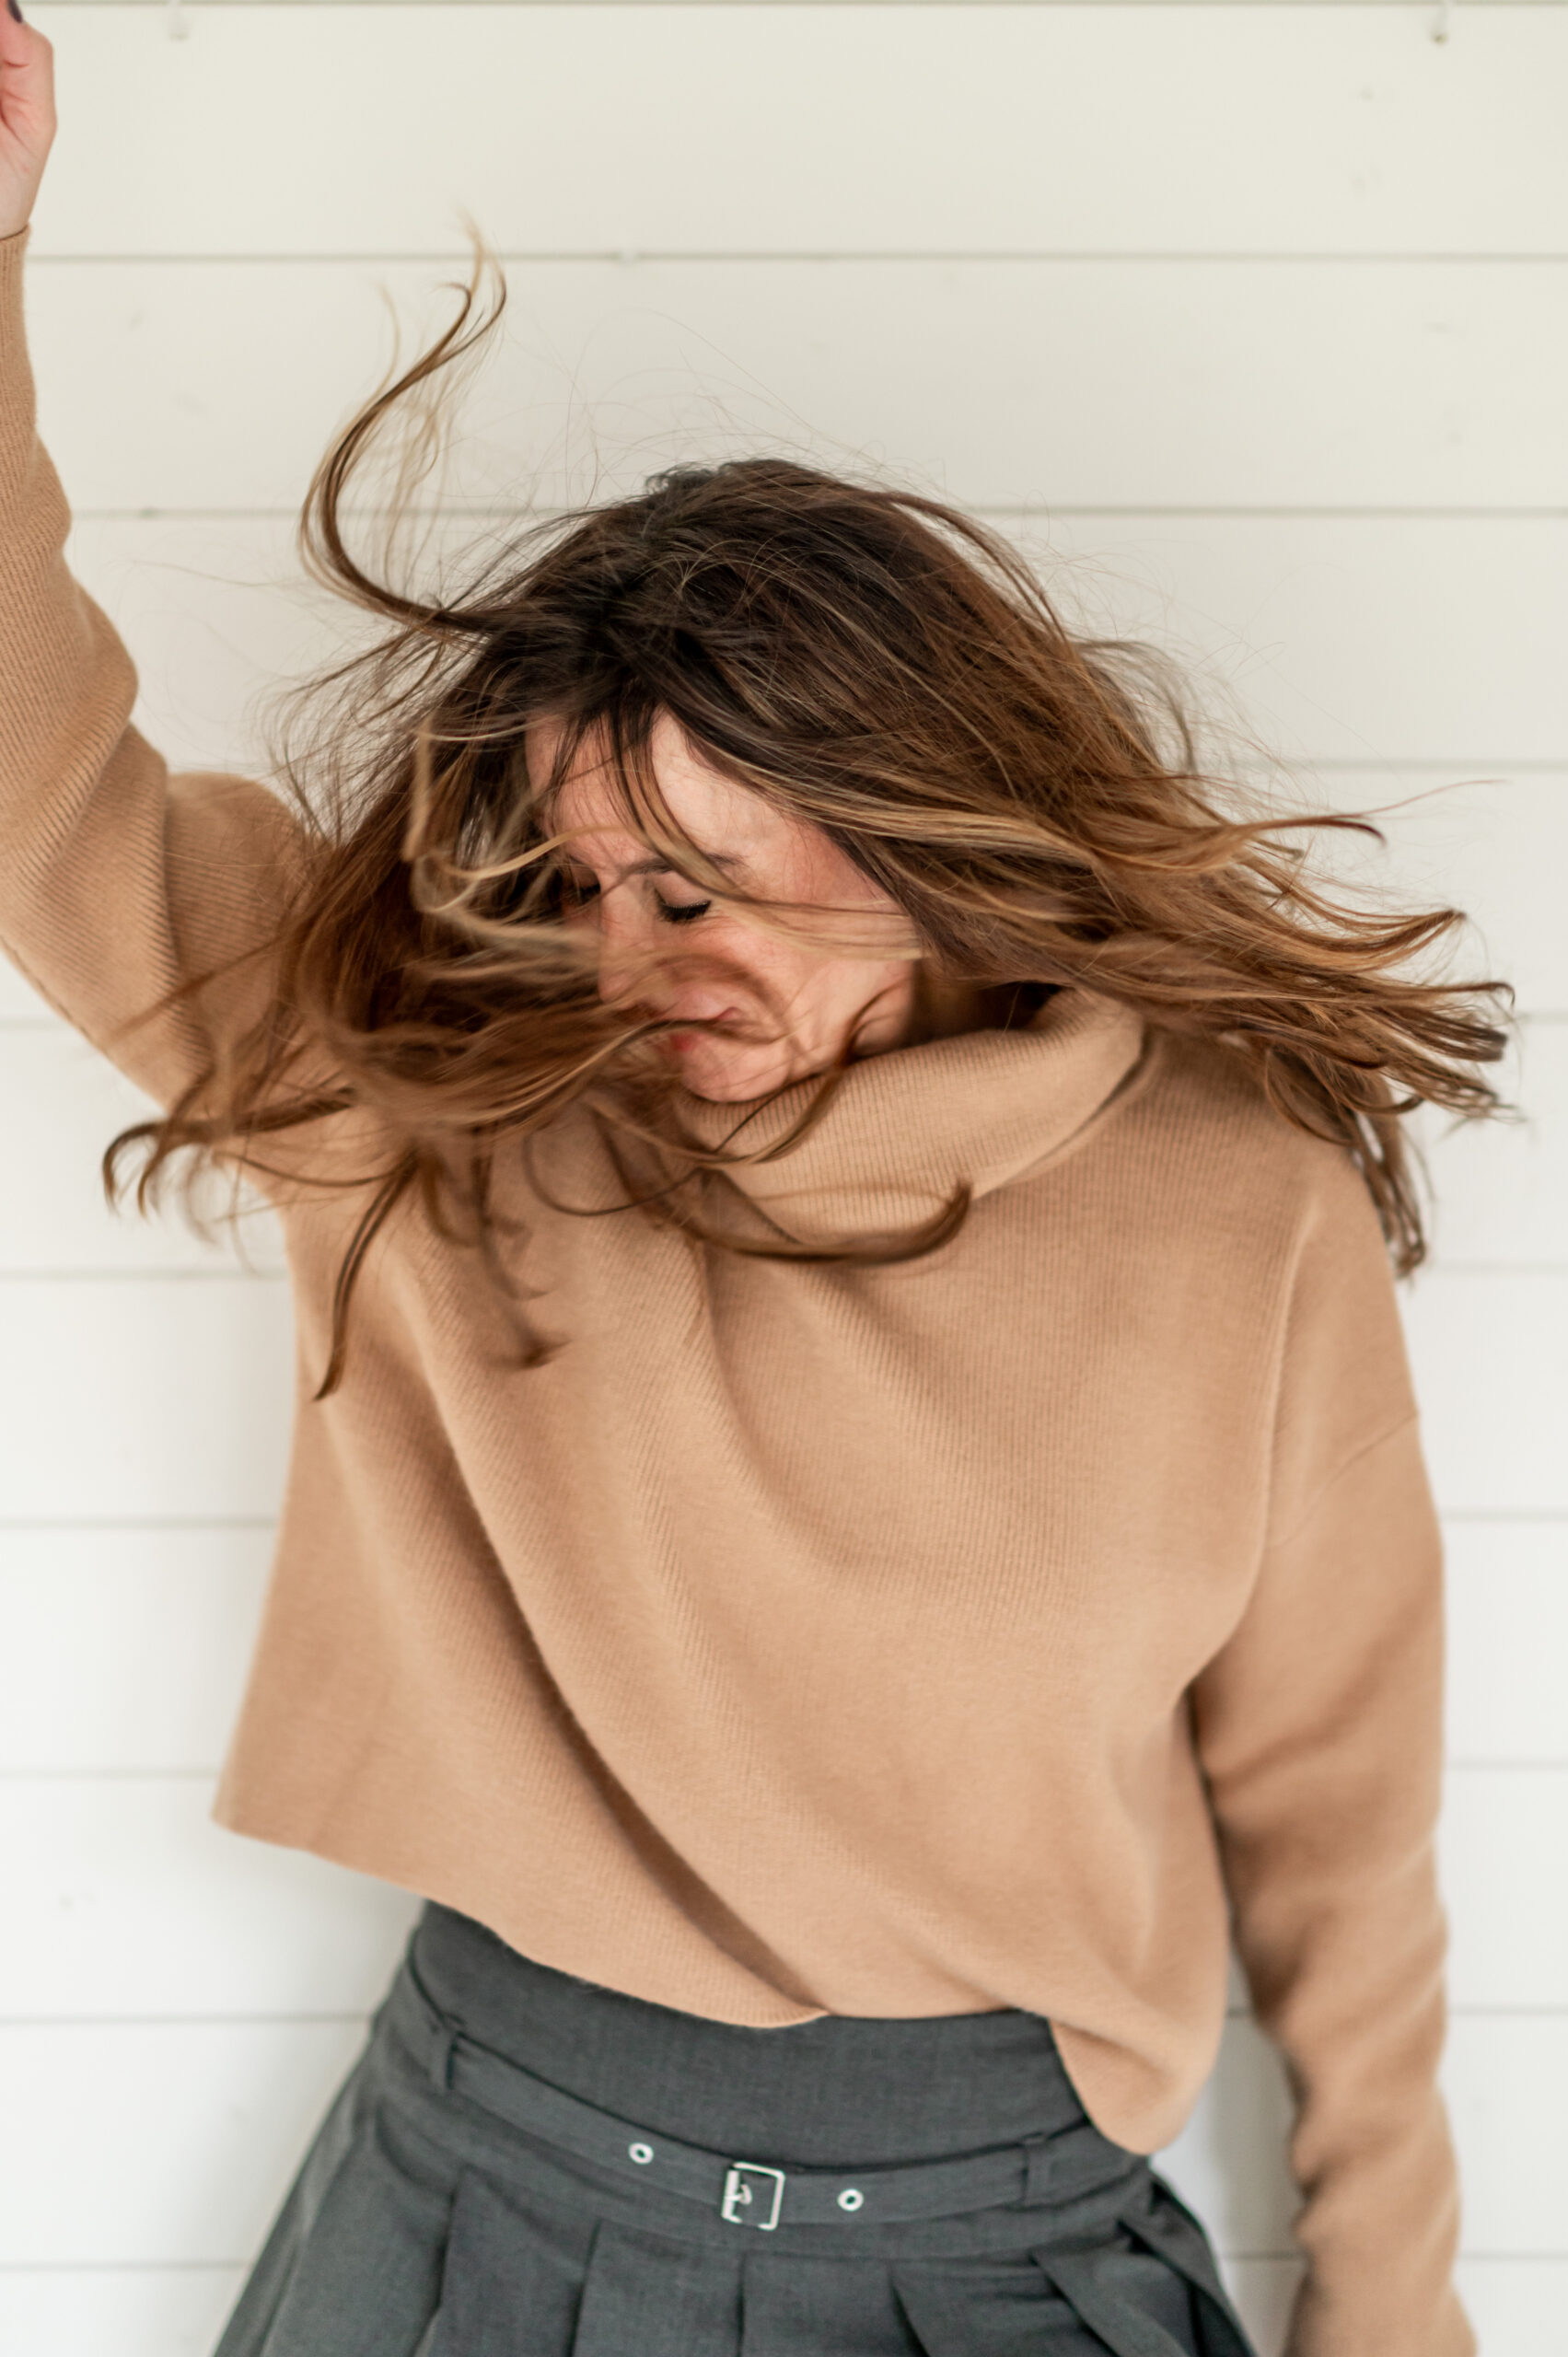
1254, 320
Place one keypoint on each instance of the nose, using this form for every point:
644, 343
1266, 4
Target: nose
625, 947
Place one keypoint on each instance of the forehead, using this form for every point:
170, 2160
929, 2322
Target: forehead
716, 812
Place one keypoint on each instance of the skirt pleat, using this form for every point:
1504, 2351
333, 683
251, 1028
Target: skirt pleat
513, 2276
355, 2263
797, 2307
1008, 2311
645, 2294
1132, 2303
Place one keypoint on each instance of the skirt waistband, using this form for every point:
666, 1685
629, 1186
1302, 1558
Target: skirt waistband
838, 2092
757, 2193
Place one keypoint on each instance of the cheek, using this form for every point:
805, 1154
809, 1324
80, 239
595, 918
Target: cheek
776, 968
826, 999
814, 992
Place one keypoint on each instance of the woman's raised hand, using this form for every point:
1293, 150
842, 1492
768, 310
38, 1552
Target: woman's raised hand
27, 117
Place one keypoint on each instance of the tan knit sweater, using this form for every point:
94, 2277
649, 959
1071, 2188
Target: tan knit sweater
900, 1640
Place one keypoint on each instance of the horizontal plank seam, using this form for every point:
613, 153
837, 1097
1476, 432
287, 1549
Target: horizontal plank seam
1391, 765
722, 257
157, 1274
355, 2017
1439, 1267
139, 1521
124, 2266
1026, 511
207, 1771
352, 2019
174, 1272
1483, 1514
1332, 513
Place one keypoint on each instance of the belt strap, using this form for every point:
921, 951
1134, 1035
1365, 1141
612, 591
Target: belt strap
1041, 2169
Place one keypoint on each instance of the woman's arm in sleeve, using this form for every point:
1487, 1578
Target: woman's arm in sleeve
118, 883
1319, 1729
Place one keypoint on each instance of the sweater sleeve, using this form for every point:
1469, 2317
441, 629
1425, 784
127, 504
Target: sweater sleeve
118, 882
1319, 1729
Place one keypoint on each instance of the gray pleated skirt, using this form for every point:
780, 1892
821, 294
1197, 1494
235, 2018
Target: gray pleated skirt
522, 2165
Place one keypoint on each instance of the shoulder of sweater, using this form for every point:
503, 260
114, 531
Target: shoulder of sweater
1202, 1095
1289, 1219
1205, 1144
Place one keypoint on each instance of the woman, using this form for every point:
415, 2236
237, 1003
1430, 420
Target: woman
855, 1502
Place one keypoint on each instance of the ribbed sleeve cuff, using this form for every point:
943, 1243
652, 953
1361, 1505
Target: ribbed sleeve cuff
11, 251
16, 376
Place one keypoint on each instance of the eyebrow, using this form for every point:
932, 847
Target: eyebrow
658, 866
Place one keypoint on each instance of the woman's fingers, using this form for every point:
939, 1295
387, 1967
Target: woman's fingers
27, 117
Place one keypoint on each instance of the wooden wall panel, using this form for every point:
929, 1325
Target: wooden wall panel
1489, 1350
844, 129
1089, 383
1507, 1639
122, 1652
144, 1398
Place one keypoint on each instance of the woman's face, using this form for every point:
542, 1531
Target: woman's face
786, 999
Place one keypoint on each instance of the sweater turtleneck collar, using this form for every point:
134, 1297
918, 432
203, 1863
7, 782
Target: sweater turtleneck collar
904, 1131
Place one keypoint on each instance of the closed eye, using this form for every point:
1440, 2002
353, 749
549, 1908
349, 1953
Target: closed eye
581, 888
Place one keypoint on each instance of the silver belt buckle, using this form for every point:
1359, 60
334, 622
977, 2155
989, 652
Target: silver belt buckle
738, 2194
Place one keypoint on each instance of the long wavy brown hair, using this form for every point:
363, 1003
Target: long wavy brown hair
871, 661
